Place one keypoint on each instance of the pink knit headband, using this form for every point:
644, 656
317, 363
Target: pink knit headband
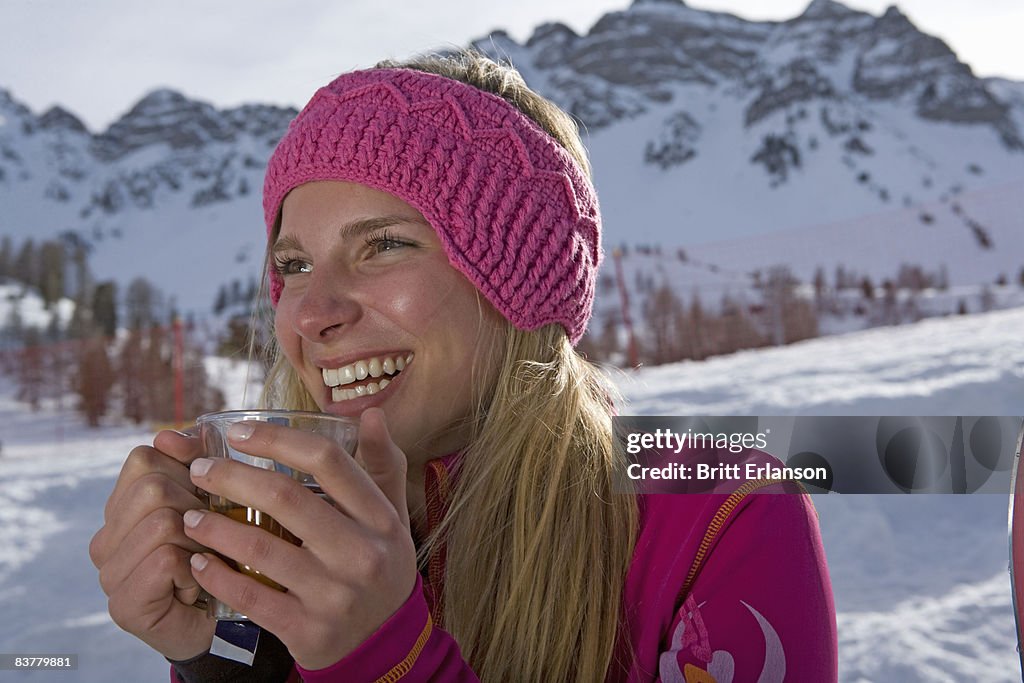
516, 214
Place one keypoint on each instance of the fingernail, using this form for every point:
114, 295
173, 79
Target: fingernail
192, 518
200, 466
198, 562
240, 431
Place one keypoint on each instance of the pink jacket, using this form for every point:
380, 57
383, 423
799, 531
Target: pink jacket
723, 588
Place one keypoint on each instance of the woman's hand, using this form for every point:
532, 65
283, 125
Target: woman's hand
142, 551
357, 562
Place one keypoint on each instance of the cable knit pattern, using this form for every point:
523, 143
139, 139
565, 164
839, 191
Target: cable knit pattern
515, 213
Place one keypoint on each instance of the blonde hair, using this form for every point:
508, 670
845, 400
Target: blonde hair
537, 543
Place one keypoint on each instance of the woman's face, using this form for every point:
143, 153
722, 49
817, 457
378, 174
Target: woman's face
372, 314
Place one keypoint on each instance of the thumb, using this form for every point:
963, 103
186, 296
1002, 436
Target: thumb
383, 460
181, 446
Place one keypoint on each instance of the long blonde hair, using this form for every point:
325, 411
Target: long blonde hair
537, 544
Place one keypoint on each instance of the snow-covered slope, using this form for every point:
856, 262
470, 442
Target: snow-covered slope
950, 366
920, 581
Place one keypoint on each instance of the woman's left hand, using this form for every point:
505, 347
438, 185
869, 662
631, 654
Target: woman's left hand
357, 562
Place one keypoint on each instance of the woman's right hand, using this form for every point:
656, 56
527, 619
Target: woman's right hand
143, 554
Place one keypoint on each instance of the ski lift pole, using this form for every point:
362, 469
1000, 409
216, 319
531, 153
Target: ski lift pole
179, 371
634, 359
1016, 534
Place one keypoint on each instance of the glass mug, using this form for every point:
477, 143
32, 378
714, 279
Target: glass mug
213, 434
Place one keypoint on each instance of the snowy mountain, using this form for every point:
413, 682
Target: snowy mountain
170, 192
836, 137
921, 584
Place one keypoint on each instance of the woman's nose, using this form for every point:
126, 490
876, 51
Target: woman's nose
324, 310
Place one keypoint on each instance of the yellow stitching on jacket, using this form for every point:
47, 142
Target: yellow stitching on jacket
404, 666
716, 524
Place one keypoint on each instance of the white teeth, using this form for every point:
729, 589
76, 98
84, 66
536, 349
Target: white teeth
369, 389
336, 378
362, 371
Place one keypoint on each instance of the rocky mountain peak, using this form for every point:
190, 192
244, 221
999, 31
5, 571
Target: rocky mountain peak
163, 116
553, 32
14, 112
58, 118
826, 9
159, 100
894, 17
678, 3
639, 59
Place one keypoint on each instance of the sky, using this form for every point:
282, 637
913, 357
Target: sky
98, 58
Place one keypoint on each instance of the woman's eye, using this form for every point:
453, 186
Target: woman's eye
385, 241
291, 266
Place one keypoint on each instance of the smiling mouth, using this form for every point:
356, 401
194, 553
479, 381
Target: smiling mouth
364, 377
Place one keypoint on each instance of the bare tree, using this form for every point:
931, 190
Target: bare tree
662, 309
95, 379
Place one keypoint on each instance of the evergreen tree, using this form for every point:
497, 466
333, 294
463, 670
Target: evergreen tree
841, 278
24, 269
141, 303
693, 330
83, 278
53, 261
820, 288
104, 307
867, 288
221, 301
81, 324
6, 256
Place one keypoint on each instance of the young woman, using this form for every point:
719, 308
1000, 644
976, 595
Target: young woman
434, 237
